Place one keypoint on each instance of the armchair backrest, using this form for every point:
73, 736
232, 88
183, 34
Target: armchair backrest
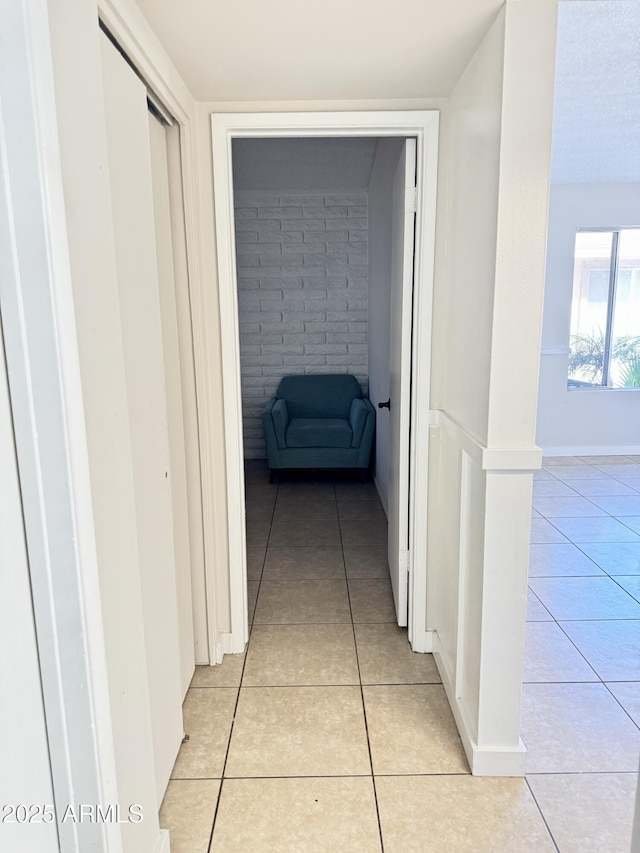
319, 396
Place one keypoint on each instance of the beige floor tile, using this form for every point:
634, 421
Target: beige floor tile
577, 728
259, 510
542, 475
292, 602
596, 529
295, 815
550, 461
301, 654
593, 488
536, 611
257, 534
372, 600
356, 492
252, 597
459, 814
543, 532
628, 695
567, 507
361, 511
226, 674
620, 558
299, 731
306, 533
619, 506
632, 522
612, 647
560, 560
411, 730
585, 598
552, 488
187, 812
255, 562
304, 563
363, 533
366, 561
630, 470
319, 502
260, 492
385, 657
208, 714
550, 656
292, 509
304, 491
577, 472
631, 584
587, 813
256, 469
605, 460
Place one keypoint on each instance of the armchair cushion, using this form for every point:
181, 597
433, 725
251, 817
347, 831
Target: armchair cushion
319, 396
319, 432
357, 418
280, 417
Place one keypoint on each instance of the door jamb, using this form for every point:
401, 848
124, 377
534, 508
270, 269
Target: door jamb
423, 125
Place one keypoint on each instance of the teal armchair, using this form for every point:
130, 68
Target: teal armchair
319, 421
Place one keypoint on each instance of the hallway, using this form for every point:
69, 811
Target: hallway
330, 734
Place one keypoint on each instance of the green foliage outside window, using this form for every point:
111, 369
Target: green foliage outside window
587, 356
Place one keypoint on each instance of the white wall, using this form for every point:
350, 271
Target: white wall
596, 120
380, 228
596, 174
302, 293
26, 776
581, 420
492, 208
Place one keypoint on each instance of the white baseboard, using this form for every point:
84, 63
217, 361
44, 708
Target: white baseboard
163, 844
384, 507
611, 450
494, 761
223, 646
423, 644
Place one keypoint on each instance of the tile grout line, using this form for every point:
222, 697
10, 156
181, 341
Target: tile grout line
544, 820
244, 664
600, 681
364, 710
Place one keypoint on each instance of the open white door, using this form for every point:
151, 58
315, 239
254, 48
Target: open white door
402, 247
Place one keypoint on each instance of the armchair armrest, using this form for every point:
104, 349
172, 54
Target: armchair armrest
361, 408
280, 417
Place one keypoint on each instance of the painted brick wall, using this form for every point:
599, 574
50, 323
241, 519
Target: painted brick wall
302, 293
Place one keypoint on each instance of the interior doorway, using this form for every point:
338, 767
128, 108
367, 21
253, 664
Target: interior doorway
411, 245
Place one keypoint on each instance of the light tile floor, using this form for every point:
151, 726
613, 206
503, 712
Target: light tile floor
331, 735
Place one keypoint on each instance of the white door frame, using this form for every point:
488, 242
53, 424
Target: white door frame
423, 125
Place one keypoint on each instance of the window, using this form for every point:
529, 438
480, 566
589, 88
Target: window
605, 312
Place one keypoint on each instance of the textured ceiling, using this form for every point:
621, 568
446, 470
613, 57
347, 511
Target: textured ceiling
596, 129
302, 164
256, 50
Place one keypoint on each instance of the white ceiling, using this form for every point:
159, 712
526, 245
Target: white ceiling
255, 50
596, 125
302, 164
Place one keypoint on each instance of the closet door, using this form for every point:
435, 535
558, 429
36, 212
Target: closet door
130, 177
174, 400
